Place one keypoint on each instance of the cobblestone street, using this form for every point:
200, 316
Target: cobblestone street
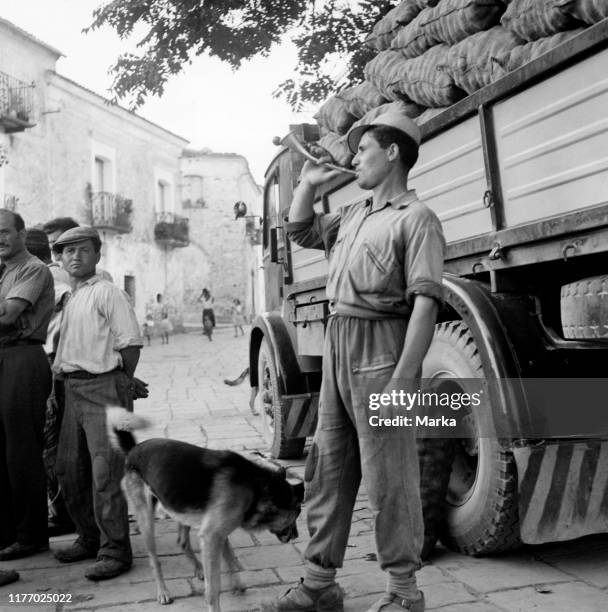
189, 401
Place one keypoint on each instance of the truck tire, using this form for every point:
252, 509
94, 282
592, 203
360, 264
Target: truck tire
584, 308
482, 511
274, 408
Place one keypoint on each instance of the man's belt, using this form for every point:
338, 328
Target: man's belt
20, 342
83, 374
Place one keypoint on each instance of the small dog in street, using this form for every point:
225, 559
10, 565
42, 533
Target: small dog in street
210, 490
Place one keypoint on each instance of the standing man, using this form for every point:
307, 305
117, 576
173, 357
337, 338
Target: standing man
384, 286
98, 351
59, 521
26, 304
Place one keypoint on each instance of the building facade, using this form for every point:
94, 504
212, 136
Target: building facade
211, 185
66, 151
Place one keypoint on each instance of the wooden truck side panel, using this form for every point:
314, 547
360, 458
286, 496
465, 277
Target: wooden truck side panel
552, 144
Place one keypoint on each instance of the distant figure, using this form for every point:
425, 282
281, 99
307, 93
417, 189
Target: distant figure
148, 328
238, 319
208, 315
165, 328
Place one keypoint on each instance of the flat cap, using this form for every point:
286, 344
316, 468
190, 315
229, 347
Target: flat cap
392, 118
77, 234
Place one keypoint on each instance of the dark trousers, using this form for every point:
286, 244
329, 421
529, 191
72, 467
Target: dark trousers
90, 469
25, 383
209, 314
55, 404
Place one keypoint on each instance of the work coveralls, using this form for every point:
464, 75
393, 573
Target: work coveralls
379, 260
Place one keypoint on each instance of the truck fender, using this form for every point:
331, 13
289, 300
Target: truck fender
270, 325
484, 314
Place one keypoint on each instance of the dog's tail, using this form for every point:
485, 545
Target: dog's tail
239, 380
121, 424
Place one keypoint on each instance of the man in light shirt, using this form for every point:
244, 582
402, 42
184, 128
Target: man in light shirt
98, 351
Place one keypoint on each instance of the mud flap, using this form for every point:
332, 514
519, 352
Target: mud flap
302, 415
563, 490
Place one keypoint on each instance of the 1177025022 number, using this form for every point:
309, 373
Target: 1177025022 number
18, 598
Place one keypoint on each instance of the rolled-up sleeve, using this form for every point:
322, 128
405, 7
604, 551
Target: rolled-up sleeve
32, 282
318, 232
425, 254
122, 320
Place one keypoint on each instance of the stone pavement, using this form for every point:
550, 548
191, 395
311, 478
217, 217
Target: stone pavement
189, 401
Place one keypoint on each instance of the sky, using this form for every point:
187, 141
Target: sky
208, 104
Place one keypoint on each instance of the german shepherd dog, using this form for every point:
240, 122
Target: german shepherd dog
210, 490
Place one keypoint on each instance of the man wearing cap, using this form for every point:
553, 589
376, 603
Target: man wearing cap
384, 286
26, 303
98, 351
55, 228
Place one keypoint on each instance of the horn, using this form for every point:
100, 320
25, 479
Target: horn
292, 142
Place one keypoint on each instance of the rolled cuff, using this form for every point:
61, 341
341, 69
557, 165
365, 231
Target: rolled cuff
428, 287
295, 226
127, 341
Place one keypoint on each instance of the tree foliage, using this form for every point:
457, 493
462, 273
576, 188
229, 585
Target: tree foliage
329, 39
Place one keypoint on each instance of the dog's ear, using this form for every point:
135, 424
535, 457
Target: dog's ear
298, 490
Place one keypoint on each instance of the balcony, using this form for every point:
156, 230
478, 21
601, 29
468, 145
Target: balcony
110, 211
171, 230
16, 104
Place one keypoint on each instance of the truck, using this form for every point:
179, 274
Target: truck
518, 174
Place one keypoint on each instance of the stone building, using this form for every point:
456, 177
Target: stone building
65, 151
212, 183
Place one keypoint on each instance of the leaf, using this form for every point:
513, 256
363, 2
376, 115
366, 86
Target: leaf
238, 30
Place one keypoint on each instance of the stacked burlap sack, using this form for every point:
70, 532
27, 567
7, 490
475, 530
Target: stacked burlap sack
432, 53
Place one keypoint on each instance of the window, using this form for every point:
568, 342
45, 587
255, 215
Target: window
161, 196
164, 192
271, 207
192, 191
99, 179
103, 168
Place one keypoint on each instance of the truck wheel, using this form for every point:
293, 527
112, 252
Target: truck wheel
482, 513
584, 307
274, 408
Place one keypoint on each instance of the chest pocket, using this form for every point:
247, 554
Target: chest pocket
371, 269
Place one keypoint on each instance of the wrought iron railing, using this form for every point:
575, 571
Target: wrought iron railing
16, 104
172, 229
111, 211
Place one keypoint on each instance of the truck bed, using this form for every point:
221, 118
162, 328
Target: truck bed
516, 172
